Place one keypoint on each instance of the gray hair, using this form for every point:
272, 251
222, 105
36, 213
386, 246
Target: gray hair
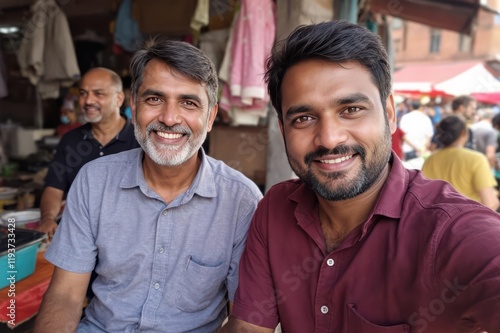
181, 56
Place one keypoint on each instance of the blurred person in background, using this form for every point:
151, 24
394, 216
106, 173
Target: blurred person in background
105, 133
435, 111
485, 136
68, 116
398, 138
466, 170
419, 130
401, 109
496, 125
464, 106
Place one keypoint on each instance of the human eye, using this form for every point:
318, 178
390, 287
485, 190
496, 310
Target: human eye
153, 100
302, 119
83, 93
191, 105
351, 110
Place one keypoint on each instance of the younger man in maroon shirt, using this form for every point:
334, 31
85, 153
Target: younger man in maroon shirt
358, 244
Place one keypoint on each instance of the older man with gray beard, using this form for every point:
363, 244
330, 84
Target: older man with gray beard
167, 223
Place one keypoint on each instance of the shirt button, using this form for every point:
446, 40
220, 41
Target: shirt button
157, 286
101, 153
162, 250
330, 262
324, 309
165, 212
100, 147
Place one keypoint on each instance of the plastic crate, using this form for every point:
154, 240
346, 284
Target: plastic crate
27, 243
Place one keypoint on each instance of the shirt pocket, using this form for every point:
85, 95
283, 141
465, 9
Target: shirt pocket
359, 324
199, 286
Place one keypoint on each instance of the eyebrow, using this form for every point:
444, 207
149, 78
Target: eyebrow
195, 98
296, 110
153, 92
346, 100
351, 99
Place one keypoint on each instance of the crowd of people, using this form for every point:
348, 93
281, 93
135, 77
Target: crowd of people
460, 146
180, 242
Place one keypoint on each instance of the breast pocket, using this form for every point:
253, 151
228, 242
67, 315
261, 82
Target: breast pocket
199, 286
359, 324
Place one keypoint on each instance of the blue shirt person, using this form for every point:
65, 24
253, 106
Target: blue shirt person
166, 223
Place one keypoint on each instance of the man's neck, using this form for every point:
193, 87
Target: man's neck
105, 130
339, 218
170, 181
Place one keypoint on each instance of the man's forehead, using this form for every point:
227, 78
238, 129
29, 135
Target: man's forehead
96, 80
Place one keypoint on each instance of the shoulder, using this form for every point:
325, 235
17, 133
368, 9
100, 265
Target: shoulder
75, 134
286, 187
472, 156
436, 201
114, 162
287, 194
229, 178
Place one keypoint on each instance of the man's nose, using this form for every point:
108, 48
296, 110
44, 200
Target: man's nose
331, 133
171, 114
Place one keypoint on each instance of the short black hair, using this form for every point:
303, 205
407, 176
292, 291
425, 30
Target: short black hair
459, 101
181, 56
449, 129
336, 41
496, 121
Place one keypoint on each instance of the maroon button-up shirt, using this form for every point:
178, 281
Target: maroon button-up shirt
426, 260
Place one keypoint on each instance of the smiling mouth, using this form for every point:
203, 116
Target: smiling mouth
171, 136
337, 160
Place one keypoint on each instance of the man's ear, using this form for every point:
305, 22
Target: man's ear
391, 113
133, 109
120, 98
280, 123
211, 116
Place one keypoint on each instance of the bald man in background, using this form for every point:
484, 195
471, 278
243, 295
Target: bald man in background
105, 133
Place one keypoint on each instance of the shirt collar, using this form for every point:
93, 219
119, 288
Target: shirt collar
121, 136
203, 184
389, 202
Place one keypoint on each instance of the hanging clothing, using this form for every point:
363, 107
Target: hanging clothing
213, 44
47, 55
201, 15
250, 44
127, 33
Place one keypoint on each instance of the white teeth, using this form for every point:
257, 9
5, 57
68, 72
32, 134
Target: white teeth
169, 135
337, 160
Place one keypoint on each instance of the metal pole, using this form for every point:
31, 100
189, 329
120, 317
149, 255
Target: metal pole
39, 110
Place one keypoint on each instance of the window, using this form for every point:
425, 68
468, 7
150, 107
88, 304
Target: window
464, 43
435, 41
397, 23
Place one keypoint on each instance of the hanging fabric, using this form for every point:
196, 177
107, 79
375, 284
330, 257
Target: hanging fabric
201, 16
244, 93
127, 33
47, 55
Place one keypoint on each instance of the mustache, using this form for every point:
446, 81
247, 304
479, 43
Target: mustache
339, 150
86, 106
157, 126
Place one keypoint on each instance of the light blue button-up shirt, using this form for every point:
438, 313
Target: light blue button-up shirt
162, 268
